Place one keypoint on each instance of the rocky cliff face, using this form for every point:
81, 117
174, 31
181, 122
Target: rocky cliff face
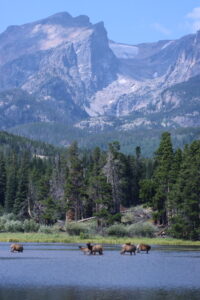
65, 69
61, 61
147, 79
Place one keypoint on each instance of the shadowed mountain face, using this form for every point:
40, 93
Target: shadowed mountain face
64, 69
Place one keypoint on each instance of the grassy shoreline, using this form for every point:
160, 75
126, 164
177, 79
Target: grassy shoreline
65, 238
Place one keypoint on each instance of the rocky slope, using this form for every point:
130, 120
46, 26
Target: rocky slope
64, 69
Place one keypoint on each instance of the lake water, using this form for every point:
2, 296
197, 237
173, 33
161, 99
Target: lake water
62, 271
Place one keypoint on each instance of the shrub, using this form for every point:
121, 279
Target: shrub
2, 225
31, 226
7, 217
128, 218
141, 230
84, 235
91, 227
117, 230
76, 228
49, 229
46, 229
13, 226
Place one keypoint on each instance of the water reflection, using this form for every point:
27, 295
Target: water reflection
74, 293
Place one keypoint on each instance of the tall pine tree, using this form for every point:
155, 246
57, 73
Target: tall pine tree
2, 180
74, 184
21, 203
12, 181
163, 178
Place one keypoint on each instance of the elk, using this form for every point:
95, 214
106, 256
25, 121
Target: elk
95, 248
128, 248
143, 247
84, 249
16, 247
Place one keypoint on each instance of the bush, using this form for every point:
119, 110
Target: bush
31, 226
2, 225
128, 218
8, 217
46, 229
117, 230
77, 228
13, 226
141, 230
84, 235
49, 229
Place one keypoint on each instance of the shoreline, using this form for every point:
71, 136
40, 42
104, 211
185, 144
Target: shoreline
65, 238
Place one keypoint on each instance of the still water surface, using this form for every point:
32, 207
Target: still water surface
61, 271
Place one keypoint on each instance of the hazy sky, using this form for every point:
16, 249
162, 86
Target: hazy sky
126, 21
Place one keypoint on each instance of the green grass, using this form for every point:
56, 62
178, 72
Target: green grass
65, 238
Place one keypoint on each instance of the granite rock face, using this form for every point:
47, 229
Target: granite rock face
60, 61
64, 69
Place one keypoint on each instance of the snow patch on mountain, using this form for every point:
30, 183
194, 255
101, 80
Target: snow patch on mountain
123, 50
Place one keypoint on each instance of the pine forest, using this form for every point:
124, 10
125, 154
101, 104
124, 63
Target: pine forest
43, 184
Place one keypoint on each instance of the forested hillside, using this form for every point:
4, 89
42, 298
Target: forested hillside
147, 139
42, 183
10, 142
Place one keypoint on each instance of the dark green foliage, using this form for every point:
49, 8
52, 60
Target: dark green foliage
2, 180
48, 215
163, 177
147, 191
20, 205
12, 183
74, 184
99, 190
114, 171
186, 195
42, 184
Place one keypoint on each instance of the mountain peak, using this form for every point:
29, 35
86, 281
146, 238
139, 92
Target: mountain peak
58, 18
65, 19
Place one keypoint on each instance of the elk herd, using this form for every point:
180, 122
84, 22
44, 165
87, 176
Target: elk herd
94, 249
127, 247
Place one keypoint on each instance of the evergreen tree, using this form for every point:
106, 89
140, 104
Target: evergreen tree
12, 181
113, 172
174, 174
21, 204
43, 196
99, 191
147, 191
48, 214
185, 222
138, 172
163, 178
127, 180
2, 180
74, 184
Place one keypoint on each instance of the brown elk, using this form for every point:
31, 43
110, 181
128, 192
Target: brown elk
143, 247
95, 248
85, 250
128, 248
16, 247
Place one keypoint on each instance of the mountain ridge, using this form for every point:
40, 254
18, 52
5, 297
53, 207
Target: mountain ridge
67, 70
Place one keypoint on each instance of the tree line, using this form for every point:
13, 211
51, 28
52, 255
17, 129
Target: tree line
74, 184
